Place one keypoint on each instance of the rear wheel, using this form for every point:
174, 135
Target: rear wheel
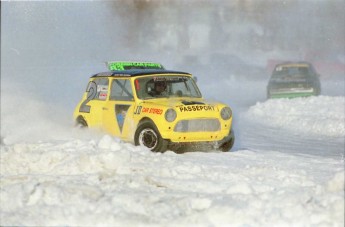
147, 135
80, 122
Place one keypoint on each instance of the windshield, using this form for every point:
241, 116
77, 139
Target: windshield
166, 87
291, 71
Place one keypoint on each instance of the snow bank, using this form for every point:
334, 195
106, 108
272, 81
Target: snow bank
321, 115
53, 175
106, 183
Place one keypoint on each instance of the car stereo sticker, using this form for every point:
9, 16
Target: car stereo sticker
141, 109
152, 110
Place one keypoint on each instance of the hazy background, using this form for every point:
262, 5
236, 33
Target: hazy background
50, 49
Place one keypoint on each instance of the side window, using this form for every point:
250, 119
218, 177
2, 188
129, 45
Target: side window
121, 89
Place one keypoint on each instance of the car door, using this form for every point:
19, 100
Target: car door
118, 111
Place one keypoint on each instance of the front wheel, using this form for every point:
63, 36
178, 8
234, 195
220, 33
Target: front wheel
147, 135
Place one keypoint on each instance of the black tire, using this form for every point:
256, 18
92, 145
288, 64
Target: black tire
228, 144
148, 135
81, 123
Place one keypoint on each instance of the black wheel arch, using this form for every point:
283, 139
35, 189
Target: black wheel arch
80, 121
147, 119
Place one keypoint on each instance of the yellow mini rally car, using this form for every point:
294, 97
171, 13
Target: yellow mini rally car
142, 103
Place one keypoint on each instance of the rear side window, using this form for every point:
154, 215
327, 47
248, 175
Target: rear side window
98, 89
121, 89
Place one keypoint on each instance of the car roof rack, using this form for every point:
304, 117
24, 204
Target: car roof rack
126, 65
138, 72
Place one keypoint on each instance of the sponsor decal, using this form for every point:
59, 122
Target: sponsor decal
170, 79
133, 65
196, 108
156, 111
101, 88
103, 91
103, 95
141, 109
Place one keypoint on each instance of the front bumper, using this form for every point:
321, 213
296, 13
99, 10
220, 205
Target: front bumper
290, 93
201, 145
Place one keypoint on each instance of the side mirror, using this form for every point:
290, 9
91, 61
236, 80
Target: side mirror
195, 79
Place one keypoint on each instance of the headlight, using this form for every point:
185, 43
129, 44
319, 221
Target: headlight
226, 113
170, 115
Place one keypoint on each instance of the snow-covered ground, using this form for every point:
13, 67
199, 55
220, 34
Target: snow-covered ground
287, 168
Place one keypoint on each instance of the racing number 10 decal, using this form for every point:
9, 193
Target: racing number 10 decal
91, 94
138, 110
